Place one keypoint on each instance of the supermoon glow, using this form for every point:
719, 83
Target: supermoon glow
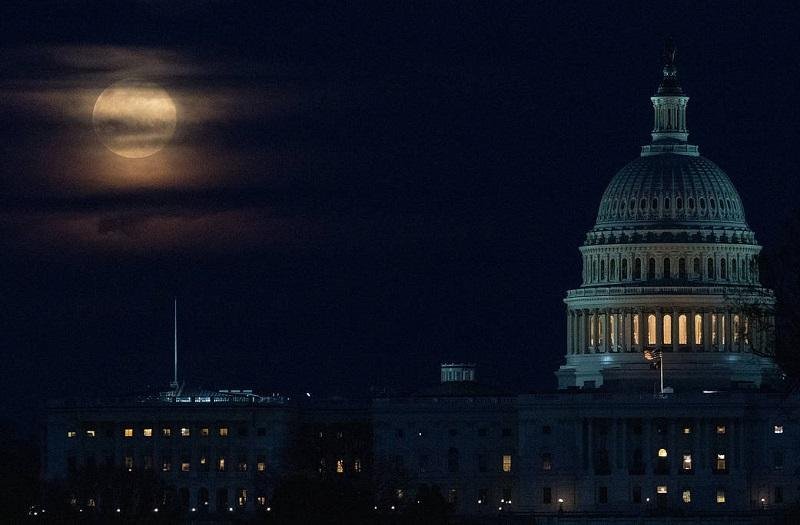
134, 119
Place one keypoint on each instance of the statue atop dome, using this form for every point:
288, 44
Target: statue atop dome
670, 86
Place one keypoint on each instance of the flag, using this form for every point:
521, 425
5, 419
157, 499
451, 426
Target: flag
654, 356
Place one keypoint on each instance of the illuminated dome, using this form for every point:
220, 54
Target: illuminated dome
670, 268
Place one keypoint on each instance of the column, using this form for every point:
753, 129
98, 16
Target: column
706, 331
606, 342
659, 328
570, 347
675, 344
690, 329
626, 331
728, 330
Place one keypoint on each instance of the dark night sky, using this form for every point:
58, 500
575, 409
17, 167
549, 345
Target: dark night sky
353, 194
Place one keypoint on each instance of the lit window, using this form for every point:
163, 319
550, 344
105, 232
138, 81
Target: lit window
91, 502
636, 329
777, 429
698, 329
687, 496
128, 432
682, 330
221, 464
591, 329
399, 493
223, 431
714, 337
662, 452
261, 464
736, 328
721, 464
91, 433
147, 432
71, 434
185, 465
166, 463
687, 429
340, 466
720, 495
357, 465
507, 463
204, 431
166, 432
261, 500
651, 329
687, 462
722, 329
661, 489
185, 432
242, 465
667, 325
721, 429
241, 497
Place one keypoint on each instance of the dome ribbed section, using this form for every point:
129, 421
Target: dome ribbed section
662, 191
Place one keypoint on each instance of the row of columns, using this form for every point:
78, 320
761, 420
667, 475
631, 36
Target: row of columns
597, 269
628, 330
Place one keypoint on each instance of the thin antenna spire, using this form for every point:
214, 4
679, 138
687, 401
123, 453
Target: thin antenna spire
175, 343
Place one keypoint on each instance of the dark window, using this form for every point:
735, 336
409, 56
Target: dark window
506, 432
453, 432
546, 429
637, 495
262, 432
655, 204
222, 498
602, 494
72, 465
482, 431
482, 463
452, 459
399, 432
679, 203
243, 431
778, 494
666, 203
547, 495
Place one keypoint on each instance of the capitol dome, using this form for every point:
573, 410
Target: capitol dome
670, 271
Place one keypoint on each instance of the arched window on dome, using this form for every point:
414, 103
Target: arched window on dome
666, 203
612, 331
612, 270
696, 268
636, 331
643, 204
654, 205
651, 269
682, 330
603, 270
592, 328
637, 269
624, 269
710, 268
723, 269
601, 334
681, 268
667, 268
651, 329
698, 329
667, 329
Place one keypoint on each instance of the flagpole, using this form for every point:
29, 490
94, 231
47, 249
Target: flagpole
661, 369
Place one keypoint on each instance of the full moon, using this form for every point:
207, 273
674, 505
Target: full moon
134, 119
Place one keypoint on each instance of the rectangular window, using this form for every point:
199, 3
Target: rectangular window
223, 431
166, 463
547, 461
91, 433
714, 338
242, 464
166, 432
651, 329
221, 464
720, 495
602, 494
340, 466
261, 432
777, 459
128, 432
547, 495
204, 466
71, 433
636, 329
777, 429
129, 462
687, 462
241, 497
687, 496
721, 429
148, 462
261, 500
682, 330
661, 489
147, 432
204, 432
721, 463
185, 432
687, 429
507, 463
667, 325
636, 495
185, 464
261, 463
778, 494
